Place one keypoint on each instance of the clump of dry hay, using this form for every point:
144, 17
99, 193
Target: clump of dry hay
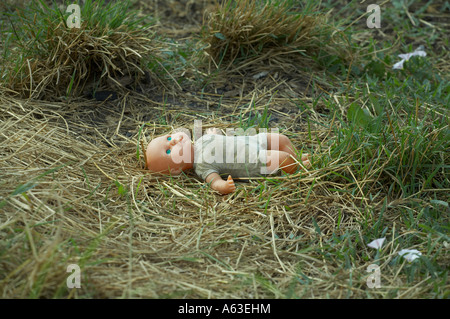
50, 60
241, 34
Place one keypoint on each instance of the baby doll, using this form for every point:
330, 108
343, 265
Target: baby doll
214, 154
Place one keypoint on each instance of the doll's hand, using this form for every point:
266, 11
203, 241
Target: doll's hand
218, 184
229, 186
225, 187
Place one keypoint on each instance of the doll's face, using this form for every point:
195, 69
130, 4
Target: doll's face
170, 154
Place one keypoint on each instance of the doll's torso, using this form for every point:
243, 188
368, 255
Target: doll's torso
238, 156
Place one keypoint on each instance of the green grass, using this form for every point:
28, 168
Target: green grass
395, 136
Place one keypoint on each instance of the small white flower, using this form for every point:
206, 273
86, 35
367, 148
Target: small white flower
410, 254
377, 243
405, 57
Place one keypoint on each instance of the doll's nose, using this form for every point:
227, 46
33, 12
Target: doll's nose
176, 140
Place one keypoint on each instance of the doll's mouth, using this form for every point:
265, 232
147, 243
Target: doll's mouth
182, 141
186, 141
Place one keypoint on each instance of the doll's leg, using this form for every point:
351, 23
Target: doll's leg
282, 144
281, 159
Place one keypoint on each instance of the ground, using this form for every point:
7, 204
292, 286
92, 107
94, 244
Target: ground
75, 189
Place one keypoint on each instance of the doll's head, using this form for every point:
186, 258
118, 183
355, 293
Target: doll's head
170, 154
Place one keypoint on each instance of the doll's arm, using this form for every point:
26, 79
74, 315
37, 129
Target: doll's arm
220, 185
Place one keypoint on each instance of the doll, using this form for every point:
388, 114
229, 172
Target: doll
215, 154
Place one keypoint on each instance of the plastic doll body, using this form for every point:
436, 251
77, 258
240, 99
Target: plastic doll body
172, 154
